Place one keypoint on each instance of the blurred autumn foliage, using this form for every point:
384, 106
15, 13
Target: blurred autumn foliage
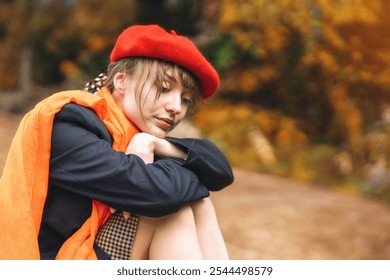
304, 83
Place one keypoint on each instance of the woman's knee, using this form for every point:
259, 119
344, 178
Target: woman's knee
204, 207
183, 217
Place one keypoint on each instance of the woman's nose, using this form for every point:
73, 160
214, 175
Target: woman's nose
174, 105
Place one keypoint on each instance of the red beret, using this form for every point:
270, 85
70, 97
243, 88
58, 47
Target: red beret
153, 41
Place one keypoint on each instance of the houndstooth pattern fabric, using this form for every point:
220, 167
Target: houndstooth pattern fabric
116, 237
96, 84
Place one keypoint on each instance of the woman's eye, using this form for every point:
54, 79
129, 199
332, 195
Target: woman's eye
187, 101
165, 87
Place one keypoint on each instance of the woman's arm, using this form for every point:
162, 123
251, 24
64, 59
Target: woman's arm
83, 162
205, 159
199, 155
147, 146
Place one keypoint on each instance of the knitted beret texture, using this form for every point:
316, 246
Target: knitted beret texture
154, 42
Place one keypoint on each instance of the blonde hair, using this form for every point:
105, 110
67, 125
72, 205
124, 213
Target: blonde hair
148, 69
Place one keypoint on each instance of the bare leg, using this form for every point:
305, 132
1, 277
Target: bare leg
176, 237
210, 237
143, 238
170, 237
191, 233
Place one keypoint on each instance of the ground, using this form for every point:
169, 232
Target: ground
266, 217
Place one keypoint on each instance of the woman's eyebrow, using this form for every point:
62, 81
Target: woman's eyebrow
170, 78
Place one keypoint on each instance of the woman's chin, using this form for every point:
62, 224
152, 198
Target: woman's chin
157, 132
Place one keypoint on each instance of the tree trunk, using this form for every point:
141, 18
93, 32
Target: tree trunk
25, 73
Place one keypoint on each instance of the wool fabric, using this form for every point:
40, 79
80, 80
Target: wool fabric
24, 182
155, 42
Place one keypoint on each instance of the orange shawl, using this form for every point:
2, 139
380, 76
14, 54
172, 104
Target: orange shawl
24, 183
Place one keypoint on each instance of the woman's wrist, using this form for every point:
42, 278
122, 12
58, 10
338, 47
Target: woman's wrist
164, 148
146, 146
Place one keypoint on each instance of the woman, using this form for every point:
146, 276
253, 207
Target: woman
76, 156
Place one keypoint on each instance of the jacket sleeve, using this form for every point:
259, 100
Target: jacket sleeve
83, 162
206, 161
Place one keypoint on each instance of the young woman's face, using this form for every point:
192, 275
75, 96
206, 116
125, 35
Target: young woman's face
152, 114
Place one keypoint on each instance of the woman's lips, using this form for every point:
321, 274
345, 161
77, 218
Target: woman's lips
165, 123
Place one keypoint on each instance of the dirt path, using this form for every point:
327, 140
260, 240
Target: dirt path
265, 217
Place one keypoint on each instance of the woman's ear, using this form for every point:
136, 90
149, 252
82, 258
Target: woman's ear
120, 82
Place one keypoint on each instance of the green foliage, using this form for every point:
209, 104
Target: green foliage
221, 51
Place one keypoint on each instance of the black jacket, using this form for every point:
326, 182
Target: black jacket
83, 167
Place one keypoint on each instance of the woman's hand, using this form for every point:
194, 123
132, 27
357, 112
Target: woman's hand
146, 146
142, 144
